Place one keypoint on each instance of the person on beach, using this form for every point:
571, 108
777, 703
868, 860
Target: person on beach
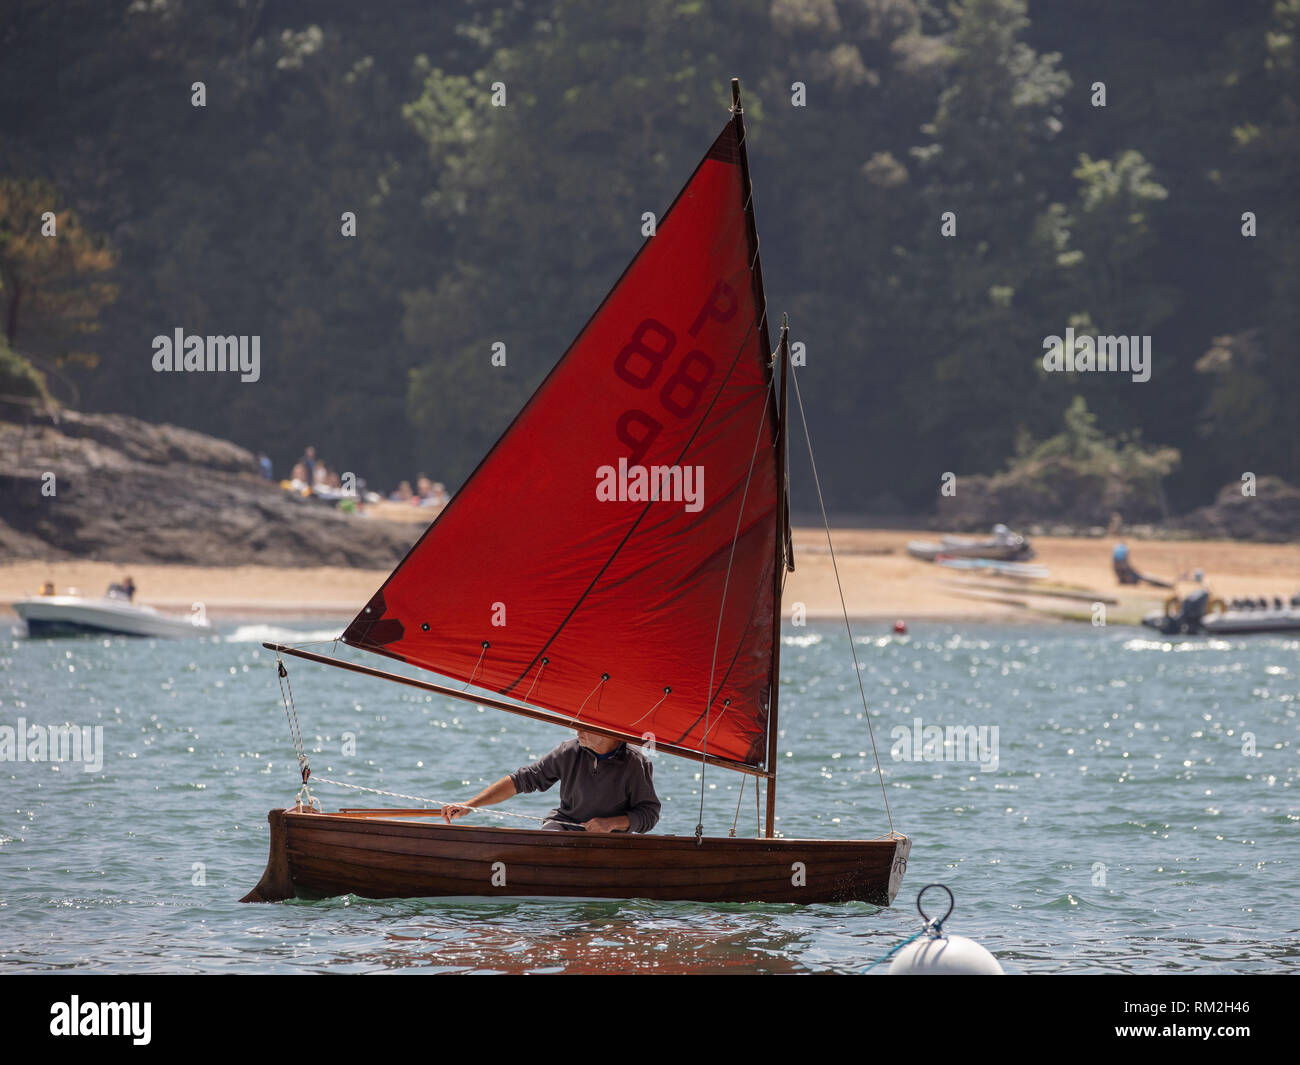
1126, 574
308, 463
125, 590
605, 786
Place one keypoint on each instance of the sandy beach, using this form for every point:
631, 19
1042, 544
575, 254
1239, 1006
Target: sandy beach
880, 580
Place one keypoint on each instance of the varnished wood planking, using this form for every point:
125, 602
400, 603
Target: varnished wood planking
479, 868
705, 856
328, 854
332, 877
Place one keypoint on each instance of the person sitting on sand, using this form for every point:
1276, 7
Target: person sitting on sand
298, 480
605, 786
1126, 574
47, 588
1124, 571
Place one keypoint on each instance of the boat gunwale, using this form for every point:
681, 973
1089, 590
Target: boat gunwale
648, 840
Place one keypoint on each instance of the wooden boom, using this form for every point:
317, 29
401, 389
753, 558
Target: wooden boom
517, 708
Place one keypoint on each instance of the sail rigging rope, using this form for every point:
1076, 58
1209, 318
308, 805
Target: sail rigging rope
735, 820
295, 733
722, 607
540, 668
474, 671
603, 678
857, 669
431, 802
291, 713
667, 692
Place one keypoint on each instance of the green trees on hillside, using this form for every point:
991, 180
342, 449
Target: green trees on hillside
938, 188
53, 284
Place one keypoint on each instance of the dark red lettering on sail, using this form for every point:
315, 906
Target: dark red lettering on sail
671, 371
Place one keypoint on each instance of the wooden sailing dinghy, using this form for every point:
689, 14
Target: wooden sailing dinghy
615, 562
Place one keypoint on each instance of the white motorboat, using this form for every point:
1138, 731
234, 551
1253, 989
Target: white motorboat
75, 615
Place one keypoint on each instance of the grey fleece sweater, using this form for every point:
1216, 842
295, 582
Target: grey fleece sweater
620, 784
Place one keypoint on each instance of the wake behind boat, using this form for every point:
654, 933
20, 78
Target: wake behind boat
109, 615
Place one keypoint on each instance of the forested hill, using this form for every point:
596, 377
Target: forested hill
939, 187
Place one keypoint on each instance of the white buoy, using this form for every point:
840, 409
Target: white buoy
944, 956
936, 954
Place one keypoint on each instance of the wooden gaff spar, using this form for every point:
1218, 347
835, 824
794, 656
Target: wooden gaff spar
638, 607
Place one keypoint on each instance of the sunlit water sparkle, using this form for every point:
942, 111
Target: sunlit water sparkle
1127, 828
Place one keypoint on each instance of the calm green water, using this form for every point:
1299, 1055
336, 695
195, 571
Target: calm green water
1125, 828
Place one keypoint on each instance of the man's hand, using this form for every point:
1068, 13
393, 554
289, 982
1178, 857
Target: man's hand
607, 824
498, 792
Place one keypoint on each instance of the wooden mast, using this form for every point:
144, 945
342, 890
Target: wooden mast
751, 230
778, 577
760, 305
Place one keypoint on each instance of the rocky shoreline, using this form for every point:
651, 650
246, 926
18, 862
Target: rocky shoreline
1268, 511
112, 488
116, 489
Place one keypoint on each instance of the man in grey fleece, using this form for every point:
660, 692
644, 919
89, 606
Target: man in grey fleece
605, 786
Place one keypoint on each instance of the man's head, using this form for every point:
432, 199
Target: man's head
594, 741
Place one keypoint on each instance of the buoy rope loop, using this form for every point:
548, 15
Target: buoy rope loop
934, 925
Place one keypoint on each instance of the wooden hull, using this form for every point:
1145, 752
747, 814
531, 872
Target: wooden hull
317, 855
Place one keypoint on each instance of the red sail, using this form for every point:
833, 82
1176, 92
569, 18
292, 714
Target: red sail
591, 596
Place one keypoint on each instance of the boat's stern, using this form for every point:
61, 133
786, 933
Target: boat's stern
902, 850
